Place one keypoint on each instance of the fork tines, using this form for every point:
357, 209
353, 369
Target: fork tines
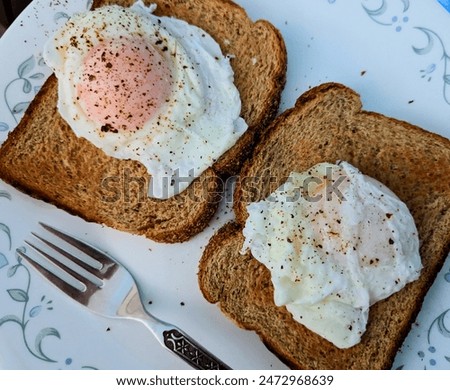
72, 265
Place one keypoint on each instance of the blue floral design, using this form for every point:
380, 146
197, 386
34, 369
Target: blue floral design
381, 14
429, 355
440, 325
436, 44
384, 15
20, 295
29, 80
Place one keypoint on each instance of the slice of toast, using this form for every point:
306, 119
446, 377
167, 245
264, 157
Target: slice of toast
44, 158
328, 124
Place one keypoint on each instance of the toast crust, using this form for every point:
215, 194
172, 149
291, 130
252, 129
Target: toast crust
43, 158
328, 124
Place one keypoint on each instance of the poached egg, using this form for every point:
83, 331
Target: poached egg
152, 89
335, 241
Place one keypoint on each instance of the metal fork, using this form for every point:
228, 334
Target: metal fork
97, 281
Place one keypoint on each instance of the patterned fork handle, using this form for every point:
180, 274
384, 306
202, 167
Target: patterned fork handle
193, 354
170, 336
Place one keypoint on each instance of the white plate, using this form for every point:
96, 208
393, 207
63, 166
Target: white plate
395, 53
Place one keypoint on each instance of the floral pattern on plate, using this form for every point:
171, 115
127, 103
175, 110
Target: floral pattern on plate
394, 14
22, 312
31, 73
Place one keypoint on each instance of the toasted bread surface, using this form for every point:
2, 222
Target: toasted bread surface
44, 158
328, 124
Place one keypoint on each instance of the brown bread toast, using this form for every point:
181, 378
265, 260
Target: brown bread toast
328, 124
44, 158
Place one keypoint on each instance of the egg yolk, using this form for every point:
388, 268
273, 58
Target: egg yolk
124, 83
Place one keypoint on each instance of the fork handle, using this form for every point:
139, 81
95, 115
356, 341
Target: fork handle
191, 352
